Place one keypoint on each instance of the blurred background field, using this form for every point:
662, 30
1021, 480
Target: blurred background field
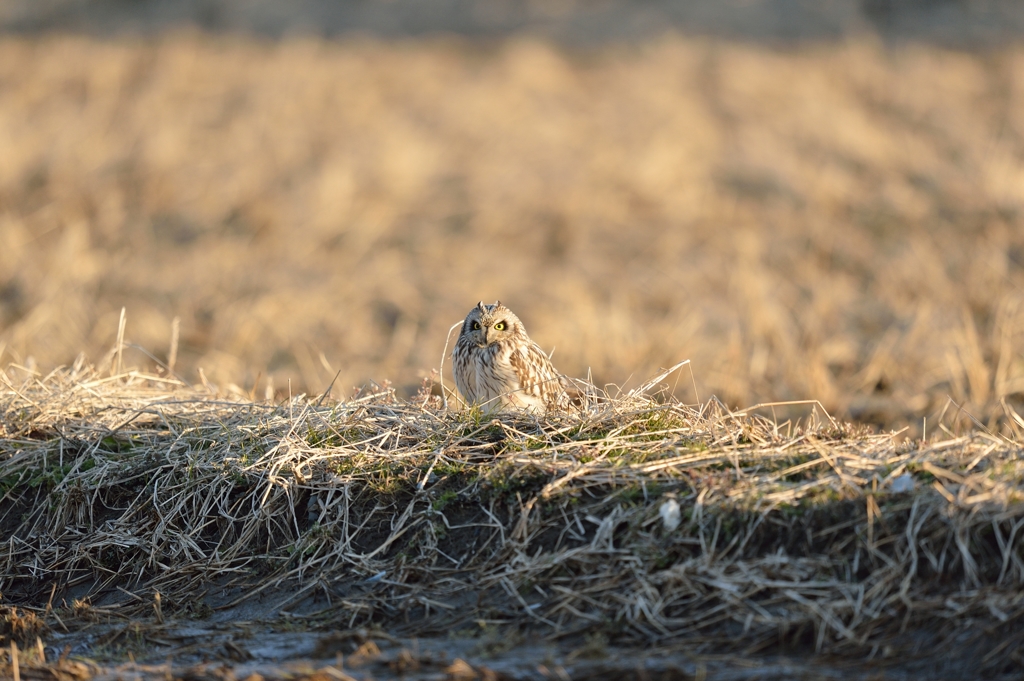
837, 218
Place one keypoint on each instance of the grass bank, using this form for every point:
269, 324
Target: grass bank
636, 521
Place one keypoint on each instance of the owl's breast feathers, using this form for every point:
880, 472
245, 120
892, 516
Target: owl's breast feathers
508, 375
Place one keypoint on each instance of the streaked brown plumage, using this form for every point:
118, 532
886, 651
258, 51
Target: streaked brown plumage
498, 367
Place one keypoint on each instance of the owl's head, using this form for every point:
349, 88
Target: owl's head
488, 324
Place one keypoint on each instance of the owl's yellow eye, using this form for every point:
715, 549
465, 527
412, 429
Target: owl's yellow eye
500, 326
476, 326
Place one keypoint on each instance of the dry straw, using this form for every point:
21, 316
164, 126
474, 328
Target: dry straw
842, 220
637, 518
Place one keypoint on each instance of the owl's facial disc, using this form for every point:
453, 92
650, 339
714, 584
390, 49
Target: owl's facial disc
488, 324
496, 330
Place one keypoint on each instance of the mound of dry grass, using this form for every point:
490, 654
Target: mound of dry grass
635, 520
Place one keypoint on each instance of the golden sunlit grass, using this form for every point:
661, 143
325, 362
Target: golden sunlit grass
632, 520
838, 222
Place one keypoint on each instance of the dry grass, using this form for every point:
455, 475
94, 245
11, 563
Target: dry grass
838, 222
382, 512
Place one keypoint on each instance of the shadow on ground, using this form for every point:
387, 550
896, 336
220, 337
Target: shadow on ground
947, 22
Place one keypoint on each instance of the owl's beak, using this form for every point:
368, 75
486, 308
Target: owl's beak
488, 334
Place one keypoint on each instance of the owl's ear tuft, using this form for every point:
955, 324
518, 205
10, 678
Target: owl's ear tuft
480, 306
497, 303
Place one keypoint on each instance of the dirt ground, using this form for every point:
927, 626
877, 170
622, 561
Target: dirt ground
233, 649
260, 640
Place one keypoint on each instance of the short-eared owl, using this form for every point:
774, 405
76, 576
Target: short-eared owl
497, 366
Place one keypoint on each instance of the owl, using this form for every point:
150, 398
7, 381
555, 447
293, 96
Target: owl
498, 367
